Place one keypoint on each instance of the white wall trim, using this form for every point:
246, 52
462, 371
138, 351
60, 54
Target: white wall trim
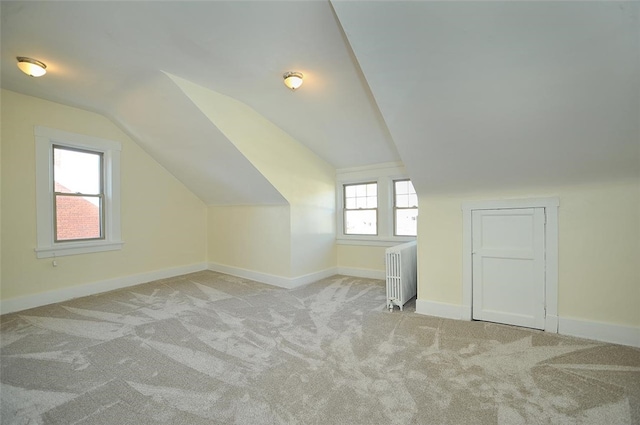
511, 203
374, 241
45, 140
384, 168
364, 273
59, 295
270, 279
597, 331
551, 206
438, 309
313, 277
600, 331
551, 323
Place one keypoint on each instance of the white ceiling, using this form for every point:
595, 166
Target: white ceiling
109, 57
481, 95
469, 95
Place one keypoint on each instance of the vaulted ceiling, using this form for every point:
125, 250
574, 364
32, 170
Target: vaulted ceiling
469, 96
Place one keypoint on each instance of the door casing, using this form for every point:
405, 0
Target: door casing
551, 206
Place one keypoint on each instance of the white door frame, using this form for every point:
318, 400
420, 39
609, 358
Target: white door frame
551, 252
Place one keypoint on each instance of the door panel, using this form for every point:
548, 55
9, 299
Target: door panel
508, 266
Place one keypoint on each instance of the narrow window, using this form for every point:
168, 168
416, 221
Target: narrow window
78, 194
405, 208
361, 209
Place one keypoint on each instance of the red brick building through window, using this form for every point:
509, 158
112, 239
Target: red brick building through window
76, 216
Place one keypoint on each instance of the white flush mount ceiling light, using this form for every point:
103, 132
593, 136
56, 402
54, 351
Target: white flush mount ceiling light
292, 79
31, 67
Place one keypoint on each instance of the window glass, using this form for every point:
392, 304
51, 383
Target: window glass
78, 194
360, 222
360, 211
405, 208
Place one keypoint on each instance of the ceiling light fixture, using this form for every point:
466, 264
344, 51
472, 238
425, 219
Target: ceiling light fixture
292, 79
31, 67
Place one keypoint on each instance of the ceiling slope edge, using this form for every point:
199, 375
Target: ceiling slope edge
482, 97
171, 129
293, 169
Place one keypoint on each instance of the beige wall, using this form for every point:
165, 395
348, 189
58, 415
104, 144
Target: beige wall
254, 238
163, 223
599, 249
362, 257
304, 180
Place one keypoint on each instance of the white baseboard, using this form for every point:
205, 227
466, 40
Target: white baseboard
551, 324
599, 331
433, 308
270, 279
59, 295
364, 273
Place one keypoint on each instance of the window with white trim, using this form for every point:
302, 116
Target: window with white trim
356, 214
77, 193
361, 209
405, 208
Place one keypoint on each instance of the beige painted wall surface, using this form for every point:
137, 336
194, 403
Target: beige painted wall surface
163, 223
599, 248
362, 257
305, 180
255, 238
313, 238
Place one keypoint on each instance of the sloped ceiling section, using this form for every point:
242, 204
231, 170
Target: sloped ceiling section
108, 57
290, 166
489, 95
167, 124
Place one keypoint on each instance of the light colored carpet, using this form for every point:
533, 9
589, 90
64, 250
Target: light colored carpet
208, 348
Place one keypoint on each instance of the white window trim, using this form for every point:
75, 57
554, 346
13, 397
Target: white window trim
46, 246
383, 175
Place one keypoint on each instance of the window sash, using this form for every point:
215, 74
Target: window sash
78, 195
366, 196
396, 208
99, 196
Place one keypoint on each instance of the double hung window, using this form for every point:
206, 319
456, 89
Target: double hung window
361, 209
377, 205
405, 208
77, 193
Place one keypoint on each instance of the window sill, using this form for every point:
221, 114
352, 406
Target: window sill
374, 240
75, 248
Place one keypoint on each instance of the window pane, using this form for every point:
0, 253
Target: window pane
77, 217
402, 201
372, 189
372, 202
361, 202
361, 190
350, 203
407, 222
350, 191
413, 200
360, 222
76, 172
402, 187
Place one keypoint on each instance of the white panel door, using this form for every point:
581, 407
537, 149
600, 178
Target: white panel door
508, 266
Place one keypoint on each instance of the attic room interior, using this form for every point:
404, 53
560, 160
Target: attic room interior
229, 266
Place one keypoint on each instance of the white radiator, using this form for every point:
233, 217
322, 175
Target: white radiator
402, 274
